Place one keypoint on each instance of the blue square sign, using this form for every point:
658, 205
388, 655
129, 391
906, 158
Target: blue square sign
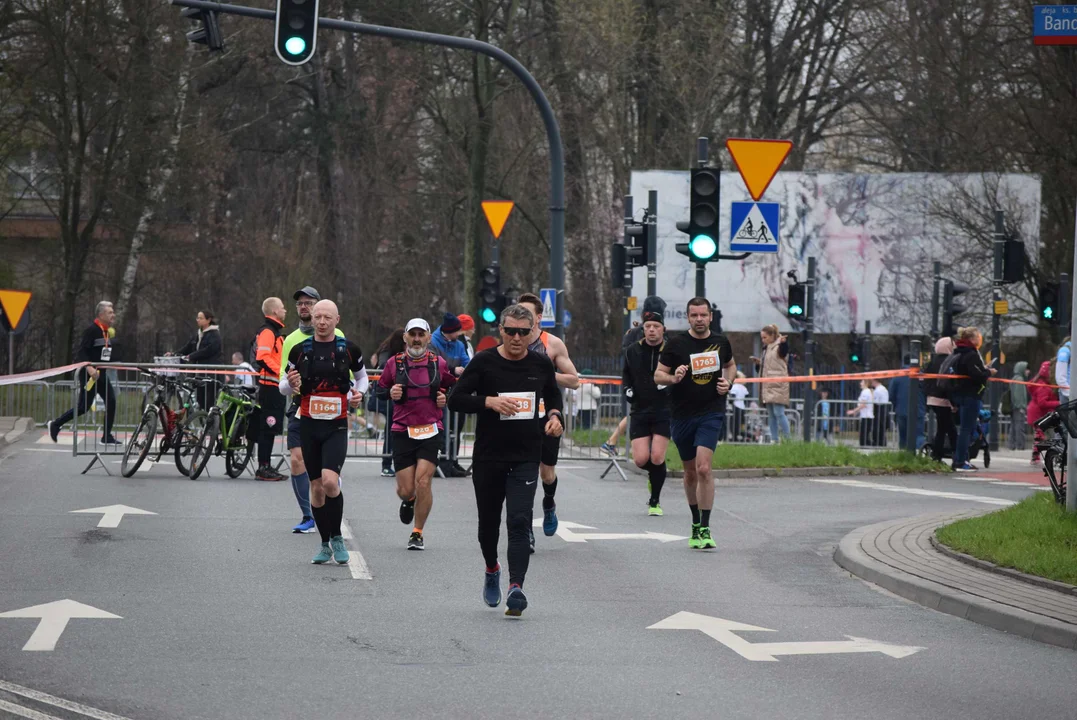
549, 307
753, 227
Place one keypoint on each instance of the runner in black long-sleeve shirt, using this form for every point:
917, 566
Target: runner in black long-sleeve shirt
503, 386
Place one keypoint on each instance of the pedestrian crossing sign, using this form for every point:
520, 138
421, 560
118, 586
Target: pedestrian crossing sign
754, 227
549, 307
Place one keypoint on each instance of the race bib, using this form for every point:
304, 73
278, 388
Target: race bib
321, 407
106, 353
542, 408
422, 432
526, 409
704, 363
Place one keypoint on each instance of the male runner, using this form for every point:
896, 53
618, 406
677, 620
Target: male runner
503, 386
304, 303
416, 379
553, 347
699, 365
320, 371
649, 429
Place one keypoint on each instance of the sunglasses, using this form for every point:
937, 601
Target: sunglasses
515, 332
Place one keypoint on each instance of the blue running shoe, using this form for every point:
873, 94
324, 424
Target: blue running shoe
491, 588
516, 602
340, 553
549, 518
306, 525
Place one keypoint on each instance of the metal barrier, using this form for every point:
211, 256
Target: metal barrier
840, 428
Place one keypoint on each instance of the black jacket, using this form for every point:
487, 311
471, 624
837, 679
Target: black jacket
206, 352
637, 379
94, 340
969, 363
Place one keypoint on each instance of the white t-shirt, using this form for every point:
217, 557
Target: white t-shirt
590, 394
881, 395
867, 410
738, 392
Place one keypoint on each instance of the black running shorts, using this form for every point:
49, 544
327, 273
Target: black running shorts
408, 452
646, 424
325, 445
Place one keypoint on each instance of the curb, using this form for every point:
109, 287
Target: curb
949, 600
999, 570
22, 425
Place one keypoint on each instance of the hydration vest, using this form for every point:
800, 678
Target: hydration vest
402, 377
339, 362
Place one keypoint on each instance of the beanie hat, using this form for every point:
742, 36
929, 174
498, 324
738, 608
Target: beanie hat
450, 323
653, 316
466, 322
655, 304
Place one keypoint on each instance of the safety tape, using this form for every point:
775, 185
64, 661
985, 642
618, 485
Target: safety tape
39, 374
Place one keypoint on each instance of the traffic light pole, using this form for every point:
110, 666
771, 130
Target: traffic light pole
553, 130
652, 243
867, 346
808, 422
627, 284
912, 404
935, 302
995, 389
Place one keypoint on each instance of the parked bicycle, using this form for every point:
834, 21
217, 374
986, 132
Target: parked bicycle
164, 411
225, 430
1056, 425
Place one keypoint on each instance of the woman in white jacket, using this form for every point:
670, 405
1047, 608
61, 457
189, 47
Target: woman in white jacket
590, 399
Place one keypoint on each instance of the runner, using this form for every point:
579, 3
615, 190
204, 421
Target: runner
553, 347
649, 428
698, 407
304, 302
320, 370
416, 379
502, 385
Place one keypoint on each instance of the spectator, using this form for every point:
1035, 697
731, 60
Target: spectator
241, 364
1018, 402
738, 392
881, 397
1062, 370
378, 403
445, 341
822, 429
1041, 400
775, 395
590, 400
95, 347
939, 402
965, 393
467, 324
865, 409
204, 349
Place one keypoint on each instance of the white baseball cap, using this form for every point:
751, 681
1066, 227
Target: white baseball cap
417, 323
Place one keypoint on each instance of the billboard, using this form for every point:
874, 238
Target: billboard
874, 236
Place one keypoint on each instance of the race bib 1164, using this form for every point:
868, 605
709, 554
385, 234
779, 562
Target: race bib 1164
322, 407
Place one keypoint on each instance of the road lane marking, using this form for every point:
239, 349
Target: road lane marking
113, 514
25, 712
61, 703
356, 563
914, 491
53, 620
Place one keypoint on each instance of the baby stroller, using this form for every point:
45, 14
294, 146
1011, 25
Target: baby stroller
979, 440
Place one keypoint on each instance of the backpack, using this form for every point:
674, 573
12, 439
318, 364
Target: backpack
432, 374
947, 385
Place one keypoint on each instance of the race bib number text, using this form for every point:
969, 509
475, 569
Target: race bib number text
324, 408
422, 432
704, 363
526, 409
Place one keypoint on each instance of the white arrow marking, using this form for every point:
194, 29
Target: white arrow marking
111, 515
723, 631
565, 528
54, 618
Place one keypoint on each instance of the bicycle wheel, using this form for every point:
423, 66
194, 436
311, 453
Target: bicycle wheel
187, 436
987, 456
203, 447
138, 447
1054, 467
239, 450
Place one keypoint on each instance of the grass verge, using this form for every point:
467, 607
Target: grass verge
798, 454
1036, 536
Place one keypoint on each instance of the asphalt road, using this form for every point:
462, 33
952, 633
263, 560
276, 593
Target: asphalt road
223, 616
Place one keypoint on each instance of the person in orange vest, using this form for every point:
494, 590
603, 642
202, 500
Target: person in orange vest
268, 345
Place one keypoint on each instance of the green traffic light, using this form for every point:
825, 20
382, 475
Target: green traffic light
489, 316
855, 358
703, 247
295, 45
1048, 312
796, 310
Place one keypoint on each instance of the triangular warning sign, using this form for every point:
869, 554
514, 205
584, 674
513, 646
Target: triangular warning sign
758, 161
497, 212
14, 303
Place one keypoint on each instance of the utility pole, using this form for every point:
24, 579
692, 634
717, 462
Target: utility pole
935, 302
912, 404
809, 354
627, 323
652, 243
867, 345
995, 389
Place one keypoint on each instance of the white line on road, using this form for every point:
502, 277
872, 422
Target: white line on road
70, 705
356, 563
24, 712
914, 491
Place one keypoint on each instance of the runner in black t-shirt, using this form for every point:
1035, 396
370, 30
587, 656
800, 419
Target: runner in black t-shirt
700, 368
503, 386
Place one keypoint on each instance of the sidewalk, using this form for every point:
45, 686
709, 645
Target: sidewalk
13, 427
899, 556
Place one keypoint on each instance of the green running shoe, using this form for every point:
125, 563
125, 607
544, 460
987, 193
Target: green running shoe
695, 542
654, 510
340, 553
324, 555
705, 539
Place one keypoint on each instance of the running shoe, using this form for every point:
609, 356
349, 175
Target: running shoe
306, 525
695, 542
340, 553
407, 511
324, 555
654, 510
54, 430
967, 467
549, 519
387, 472
491, 587
110, 440
705, 539
531, 539
267, 473
415, 542
610, 449
516, 602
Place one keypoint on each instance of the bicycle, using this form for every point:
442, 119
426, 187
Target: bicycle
189, 423
1053, 450
225, 430
159, 412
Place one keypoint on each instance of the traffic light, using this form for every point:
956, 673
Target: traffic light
632, 254
1013, 261
209, 34
297, 30
704, 194
950, 307
797, 307
492, 302
856, 348
1054, 305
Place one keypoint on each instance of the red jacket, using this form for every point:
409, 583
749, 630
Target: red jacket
1041, 400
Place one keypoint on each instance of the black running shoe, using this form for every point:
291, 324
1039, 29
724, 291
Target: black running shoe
415, 542
407, 511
